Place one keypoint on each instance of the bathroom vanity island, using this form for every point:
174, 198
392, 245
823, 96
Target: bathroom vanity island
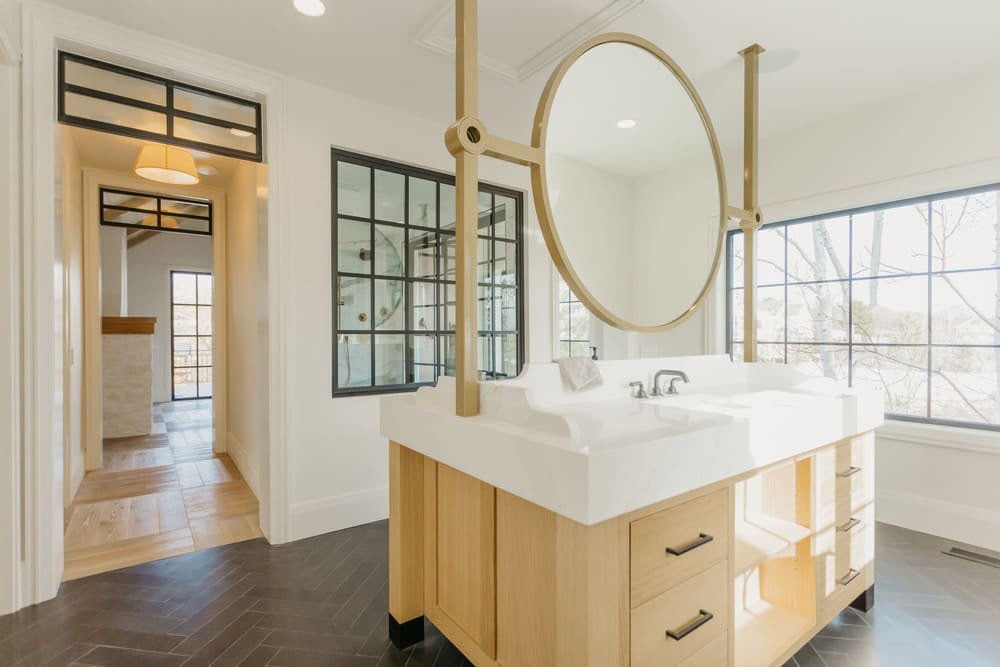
724, 525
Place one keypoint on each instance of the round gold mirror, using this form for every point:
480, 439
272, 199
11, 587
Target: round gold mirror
630, 190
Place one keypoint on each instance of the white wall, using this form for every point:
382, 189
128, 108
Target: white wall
940, 138
114, 272
247, 366
72, 250
149, 265
338, 463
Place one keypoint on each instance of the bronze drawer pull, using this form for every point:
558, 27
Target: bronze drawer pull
702, 540
853, 470
703, 618
851, 575
847, 527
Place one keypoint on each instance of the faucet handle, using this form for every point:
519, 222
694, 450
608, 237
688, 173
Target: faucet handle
641, 393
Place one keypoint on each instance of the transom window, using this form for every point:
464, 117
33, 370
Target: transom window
136, 210
905, 296
110, 98
394, 270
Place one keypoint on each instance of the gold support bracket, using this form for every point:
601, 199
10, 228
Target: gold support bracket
750, 216
467, 139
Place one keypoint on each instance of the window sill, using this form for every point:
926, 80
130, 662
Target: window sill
937, 435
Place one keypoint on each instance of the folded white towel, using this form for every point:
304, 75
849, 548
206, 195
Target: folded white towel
579, 372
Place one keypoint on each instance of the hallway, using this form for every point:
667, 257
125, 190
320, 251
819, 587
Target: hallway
158, 495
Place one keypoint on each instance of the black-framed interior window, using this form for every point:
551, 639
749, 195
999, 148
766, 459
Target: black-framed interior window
191, 334
110, 98
905, 296
138, 210
573, 323
394, 276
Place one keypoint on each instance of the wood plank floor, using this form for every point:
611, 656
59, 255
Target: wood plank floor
323, 601
158, 495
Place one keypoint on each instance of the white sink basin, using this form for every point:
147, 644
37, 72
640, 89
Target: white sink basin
596, 454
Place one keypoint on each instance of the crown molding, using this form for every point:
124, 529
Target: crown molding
428, 36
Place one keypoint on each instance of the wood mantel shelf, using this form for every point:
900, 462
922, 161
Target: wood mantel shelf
128, 325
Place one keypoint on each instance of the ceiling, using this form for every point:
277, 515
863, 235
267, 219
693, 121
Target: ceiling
117, 153
847, 54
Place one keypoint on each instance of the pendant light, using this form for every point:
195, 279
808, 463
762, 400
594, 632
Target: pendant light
166, 164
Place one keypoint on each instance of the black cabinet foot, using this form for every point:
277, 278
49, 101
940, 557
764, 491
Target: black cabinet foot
866, 601
408, 633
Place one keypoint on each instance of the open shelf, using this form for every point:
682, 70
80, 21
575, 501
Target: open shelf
765, 631
760, 537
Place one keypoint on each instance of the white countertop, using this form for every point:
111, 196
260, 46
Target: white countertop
597, 454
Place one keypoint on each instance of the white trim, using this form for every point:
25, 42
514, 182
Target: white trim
11, 444
324, 515
965, 523
244, 462
937, 435
44, 28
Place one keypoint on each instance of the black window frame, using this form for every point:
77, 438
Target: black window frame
168, 110
439, 333
850, 345
173, 335
573, 298
159, 212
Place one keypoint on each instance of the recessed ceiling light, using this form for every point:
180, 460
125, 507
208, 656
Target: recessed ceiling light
207, 170
237, 132
310, 7
626, 124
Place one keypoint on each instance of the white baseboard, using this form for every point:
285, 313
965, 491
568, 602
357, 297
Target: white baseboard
965, 523
325, 515
247, 466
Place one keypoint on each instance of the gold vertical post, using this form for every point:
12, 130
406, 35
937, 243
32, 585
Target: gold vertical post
751, 223
467, 223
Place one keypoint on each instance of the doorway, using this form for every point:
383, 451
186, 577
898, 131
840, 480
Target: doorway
159, 477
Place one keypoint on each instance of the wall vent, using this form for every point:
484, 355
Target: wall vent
973, 556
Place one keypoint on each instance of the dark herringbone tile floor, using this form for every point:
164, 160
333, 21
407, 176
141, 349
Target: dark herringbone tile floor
322, 601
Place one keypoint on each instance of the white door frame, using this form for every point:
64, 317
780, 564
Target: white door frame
45, 29
11, 443
93, 181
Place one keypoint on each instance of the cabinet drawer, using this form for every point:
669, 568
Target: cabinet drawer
855, 543
842, 551
716, 654
672, 545
855, 476
678, 624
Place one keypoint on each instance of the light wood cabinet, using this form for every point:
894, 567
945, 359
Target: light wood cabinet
670, 546
678, 623
739, 573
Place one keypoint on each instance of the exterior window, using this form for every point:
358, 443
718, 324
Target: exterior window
904, 295
101, 96
573, 324
191, 334
394, 272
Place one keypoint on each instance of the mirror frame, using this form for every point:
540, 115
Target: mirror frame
540, 192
